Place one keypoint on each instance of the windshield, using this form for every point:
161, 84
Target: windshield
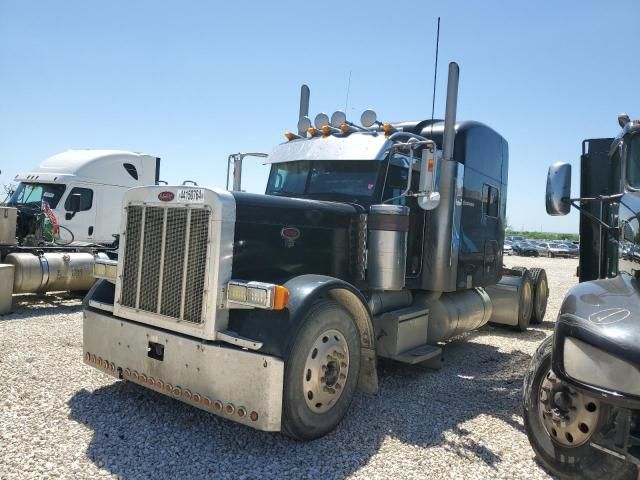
633, 161
345, 180
35, 193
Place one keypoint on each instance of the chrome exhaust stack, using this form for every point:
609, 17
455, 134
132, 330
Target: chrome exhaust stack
440, 263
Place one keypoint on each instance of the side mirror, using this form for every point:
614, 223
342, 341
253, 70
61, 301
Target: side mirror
74, 205
558, 189
428, 197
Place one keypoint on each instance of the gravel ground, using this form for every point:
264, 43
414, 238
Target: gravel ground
62, 419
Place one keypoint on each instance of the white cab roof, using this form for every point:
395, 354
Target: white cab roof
85, 164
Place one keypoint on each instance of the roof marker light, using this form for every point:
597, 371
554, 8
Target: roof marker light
291, 136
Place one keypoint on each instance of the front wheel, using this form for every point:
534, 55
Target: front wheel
321, 372
560, 422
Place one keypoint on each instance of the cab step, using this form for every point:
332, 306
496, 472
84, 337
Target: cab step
429, 355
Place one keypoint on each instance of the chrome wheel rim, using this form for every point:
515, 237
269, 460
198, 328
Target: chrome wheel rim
326, 371
569, 417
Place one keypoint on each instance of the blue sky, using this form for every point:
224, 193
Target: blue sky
193, 81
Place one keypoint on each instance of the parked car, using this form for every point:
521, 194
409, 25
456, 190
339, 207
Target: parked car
555, 249
507, 249
526, 249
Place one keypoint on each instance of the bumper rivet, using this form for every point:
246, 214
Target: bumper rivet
229, 409
242, 412
177, 391
196, 398
254, 416
217, 405
206, 402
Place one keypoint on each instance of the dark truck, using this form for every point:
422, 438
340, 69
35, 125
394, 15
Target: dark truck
379, 239
582, 390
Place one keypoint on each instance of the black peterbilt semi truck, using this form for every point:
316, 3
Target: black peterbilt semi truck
581, 395
270, 310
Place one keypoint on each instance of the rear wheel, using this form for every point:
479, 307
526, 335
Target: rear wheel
525, 302
321, 372
560, 421
540, 294
549, 254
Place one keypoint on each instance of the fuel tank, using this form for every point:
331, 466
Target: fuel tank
51, 271
277, 238
451, 314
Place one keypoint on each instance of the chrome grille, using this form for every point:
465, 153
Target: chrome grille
165, 261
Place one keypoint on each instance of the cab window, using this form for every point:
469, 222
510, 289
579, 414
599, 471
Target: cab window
86, 198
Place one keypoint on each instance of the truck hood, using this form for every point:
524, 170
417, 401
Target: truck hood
277, 238
604, 313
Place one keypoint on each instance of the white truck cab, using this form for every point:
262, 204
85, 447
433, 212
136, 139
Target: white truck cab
97, 179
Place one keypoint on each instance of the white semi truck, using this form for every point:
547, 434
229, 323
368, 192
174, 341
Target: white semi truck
66, 210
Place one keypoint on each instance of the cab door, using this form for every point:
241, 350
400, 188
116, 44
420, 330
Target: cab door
81, 223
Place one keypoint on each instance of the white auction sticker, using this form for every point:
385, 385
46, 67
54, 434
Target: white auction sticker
190, 195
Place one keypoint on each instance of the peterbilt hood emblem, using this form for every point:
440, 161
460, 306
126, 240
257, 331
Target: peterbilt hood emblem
166, 196
290, 235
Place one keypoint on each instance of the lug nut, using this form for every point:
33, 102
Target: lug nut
338, 386
322, 379
343, 364
342, 376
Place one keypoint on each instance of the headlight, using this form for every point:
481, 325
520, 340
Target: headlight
257, 294
592, 366
107, 269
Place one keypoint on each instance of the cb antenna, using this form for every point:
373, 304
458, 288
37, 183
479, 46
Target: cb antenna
435, 77
346, 102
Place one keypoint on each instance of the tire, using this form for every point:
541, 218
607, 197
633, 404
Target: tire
581, 462
525, 302
307, 415
549, 254
540, 294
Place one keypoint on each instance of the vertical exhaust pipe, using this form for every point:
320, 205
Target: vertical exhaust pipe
304, 107
450, 112
442, 240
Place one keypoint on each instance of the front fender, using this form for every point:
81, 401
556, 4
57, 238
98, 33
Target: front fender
605, 314
277, 329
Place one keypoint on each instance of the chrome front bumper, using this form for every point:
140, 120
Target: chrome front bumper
239, 385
